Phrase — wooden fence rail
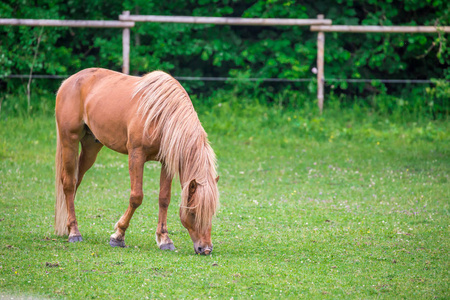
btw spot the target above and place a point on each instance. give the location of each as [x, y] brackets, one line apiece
[66, 23]
[383, 29]
[224, 21]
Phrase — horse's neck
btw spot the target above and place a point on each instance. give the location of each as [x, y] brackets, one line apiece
[190, 169]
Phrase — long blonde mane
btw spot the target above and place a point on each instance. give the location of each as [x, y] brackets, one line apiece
[184, 148]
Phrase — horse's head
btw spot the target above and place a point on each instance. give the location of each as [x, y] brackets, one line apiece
[199, 204]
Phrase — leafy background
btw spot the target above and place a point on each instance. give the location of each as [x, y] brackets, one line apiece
[232, 51]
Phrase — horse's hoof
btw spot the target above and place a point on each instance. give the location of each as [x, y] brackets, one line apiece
[117, 243]
[170, 247]
[75, 238]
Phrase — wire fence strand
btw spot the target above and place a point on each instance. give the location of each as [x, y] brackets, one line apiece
[191, 78]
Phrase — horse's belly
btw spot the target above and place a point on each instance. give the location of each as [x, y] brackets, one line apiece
[112, 137]
[108, 124]
[117, 143]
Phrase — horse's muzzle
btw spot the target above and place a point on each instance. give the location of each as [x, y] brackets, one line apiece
[203, 250]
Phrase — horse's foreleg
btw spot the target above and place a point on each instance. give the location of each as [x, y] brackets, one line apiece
[136, 160]
[162, 236]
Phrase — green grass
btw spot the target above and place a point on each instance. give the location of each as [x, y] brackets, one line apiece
[348, 205]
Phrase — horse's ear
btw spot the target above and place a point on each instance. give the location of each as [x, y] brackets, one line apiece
[192, 187]
[217, 179]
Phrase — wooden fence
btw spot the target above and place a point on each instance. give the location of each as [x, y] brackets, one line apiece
[83, 23]
[319, 25]
[66, 23]
[321, 29]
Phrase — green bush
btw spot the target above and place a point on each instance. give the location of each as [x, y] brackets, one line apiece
[234, 51]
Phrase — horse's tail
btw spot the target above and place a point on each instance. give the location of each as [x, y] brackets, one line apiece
[60, 205]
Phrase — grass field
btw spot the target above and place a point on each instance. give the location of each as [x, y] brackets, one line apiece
[339, 206]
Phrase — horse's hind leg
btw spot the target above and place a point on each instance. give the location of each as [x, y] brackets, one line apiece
[162, 236]
[136, 160]
[69, 141]
[89, 151]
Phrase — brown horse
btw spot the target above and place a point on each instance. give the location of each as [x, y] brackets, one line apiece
[148, 118]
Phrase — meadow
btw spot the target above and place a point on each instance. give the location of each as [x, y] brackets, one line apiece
[350, 204]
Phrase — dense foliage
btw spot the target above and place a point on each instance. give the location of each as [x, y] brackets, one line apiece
[242, 51]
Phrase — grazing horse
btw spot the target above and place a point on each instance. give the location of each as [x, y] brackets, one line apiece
[148, 118]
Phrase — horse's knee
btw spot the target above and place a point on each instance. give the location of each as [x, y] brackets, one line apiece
[164, 203]
[136, 198]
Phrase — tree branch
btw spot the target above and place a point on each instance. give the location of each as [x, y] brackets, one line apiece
[31, 70]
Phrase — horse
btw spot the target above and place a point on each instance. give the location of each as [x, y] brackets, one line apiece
[148, 118]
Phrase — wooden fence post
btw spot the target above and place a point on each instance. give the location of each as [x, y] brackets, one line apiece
[320, 66]
[126, 47]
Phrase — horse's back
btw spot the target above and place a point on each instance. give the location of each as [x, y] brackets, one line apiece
[98, 81]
